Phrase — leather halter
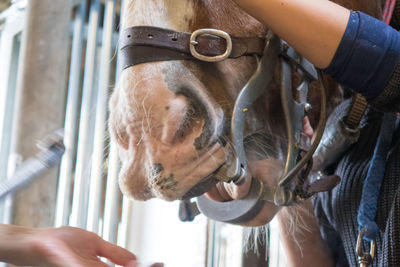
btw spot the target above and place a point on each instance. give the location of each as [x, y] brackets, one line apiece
[149, 44]
[143, 44]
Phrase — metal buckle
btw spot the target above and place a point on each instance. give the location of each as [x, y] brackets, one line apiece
[219, 33]
[364, 258]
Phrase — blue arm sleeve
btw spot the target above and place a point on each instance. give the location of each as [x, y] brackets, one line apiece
[367, 55]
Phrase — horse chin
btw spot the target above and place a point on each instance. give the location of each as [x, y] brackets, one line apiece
[170, 173]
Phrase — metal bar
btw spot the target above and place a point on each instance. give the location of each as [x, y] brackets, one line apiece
[63, 207]
[10, 54]
[127, 205]
[12, 22]
[11, 25]
[3, 71]
[10, 44]
[81, 184]
[14, 161]
[112, 197]
[125, 225]
[96, 181]
[115, 36]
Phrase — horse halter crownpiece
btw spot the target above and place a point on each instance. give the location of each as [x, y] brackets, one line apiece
[149, 44]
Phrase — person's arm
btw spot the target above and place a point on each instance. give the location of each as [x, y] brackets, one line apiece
[65, 246]
[358, 51]
[312, 27]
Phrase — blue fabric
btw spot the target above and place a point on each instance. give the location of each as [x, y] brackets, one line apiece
[367, 55]
[373, 181]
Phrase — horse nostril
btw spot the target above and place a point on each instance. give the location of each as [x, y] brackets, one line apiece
[191, 121]
[184, 120]
[175, 117]
[201, 116]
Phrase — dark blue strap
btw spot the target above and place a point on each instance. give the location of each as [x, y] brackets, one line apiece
[375, 175]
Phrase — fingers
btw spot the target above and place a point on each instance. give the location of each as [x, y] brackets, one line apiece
[307, 129]
[116, 254]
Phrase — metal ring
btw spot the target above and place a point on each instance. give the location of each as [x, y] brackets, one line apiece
[219, 33]
[365, 257]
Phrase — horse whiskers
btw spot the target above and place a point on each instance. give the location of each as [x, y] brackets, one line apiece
[296, 223]
[146, 114]
[153, 173]
[253, 237]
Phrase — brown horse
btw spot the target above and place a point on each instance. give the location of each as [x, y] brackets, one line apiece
[169, 117]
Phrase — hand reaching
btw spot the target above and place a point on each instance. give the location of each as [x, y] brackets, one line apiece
[67, 246]
[60, 247]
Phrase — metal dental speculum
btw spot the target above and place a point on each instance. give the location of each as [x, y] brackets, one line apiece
[242, 210]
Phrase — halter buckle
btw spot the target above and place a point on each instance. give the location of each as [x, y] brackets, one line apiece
[193, 43]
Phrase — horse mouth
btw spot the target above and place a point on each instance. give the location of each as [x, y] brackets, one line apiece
[202, 187]
[259, 146]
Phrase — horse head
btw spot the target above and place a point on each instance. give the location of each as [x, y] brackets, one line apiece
[171, 119]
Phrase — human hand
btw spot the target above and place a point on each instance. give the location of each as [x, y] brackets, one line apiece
[59, 247]
[68, 246]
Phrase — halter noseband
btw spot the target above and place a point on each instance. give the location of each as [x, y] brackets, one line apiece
[143, 44]
[149, 44]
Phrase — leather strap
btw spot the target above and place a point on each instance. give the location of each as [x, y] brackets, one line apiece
[324, 184]
[143, 44]
[356, 112]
